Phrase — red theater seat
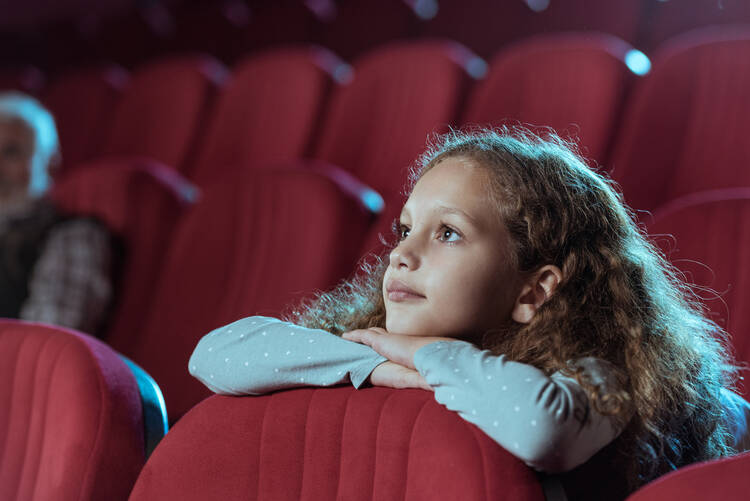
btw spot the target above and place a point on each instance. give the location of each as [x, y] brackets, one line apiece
[726, 479]
[671, 18]
[268, 110]
[71, 425]
[377, 125]
[574, 83]
[686, 124]
[256, 242]
[335, 443]
[141, 202]
[82, 103]
[707, 236]
[163, 109]
[621, 18]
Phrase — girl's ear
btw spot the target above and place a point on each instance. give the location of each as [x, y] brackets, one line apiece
[535, 291]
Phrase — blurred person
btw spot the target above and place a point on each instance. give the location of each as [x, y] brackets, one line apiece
[54, 267]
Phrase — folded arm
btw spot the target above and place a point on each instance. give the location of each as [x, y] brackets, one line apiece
[257, 355]
[547, 421]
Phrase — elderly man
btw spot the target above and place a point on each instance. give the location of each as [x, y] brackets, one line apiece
[54, 268]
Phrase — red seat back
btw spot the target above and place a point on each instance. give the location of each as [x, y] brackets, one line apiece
[670, 19]
[141, 202]
[378, 125]
[685, 126]
[257, 242]
[82, 128]
[267, 111]
[163, 109]
[724, 479]
[571, 82]
[71, 423]
[337, 443]
[707, 236]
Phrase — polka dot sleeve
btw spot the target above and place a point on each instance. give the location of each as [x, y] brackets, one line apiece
[544, 420]
[257, 355]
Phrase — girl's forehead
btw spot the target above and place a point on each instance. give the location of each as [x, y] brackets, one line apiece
[456, 183]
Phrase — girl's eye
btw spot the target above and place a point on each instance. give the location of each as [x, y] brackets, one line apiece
[400, 230]
[448, 234]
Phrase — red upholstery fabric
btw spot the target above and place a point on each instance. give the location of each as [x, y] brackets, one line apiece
[267, 111]
[82, 103]
[255, 243]
[141, 202]
[488, 26]
[621, 18]
[571, 82]
[726, 479]
[669, 19]
[337, 443]
[70, 417]
[377, 125]
[706, 236]
[685, 126]
[163, 109]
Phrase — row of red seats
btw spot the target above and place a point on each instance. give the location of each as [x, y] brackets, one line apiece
[230, 28]
[372, 128]
[191, 113]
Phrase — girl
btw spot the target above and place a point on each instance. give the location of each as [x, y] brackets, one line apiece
[523, 294]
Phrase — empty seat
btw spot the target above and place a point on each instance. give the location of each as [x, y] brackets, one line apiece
[257, 241]
[82, 103]
[685, 126]
[378, 124]
[163, 109]
[669, 19]
[141, 202]
[268, 110]
[71, 424]
[707, 236]
[574, 83]
[621, 18]
[334, 443]
[724, 479]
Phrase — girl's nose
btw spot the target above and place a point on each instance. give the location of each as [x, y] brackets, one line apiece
[404, 256]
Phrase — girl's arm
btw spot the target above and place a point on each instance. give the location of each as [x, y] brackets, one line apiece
[257, 355]
[546, 421]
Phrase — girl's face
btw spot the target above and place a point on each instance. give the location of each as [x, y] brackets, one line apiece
[451, 274]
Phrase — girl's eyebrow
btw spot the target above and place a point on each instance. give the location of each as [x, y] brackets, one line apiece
[443, 209]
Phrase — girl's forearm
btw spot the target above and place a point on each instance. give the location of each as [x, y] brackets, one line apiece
[257, 355]
[545, 421]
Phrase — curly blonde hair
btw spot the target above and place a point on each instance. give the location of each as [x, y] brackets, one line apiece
[619, 300]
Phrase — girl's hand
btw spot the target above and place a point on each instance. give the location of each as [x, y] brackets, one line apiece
[398, 348]
[392, 375]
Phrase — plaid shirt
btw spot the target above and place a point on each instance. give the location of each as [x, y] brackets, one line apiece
[70, 284]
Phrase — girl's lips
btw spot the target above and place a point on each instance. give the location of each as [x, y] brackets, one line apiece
[399, 291]
[398, 296]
